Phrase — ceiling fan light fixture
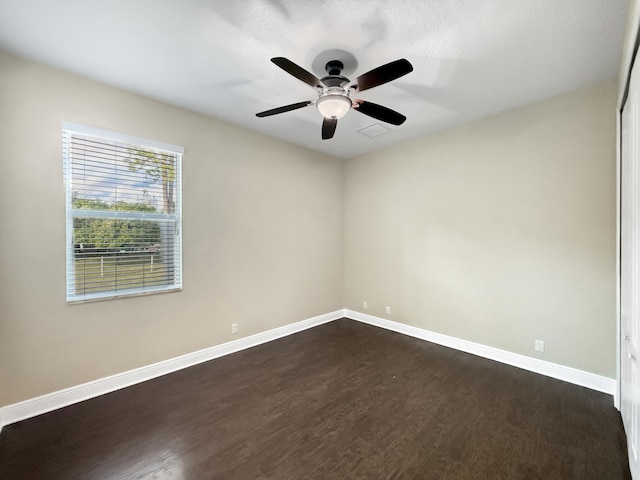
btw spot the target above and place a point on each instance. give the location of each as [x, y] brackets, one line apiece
[333, 105]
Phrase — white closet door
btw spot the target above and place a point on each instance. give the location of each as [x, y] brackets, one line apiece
[630, 275]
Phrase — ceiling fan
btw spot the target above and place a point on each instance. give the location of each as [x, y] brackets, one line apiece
[334, 92]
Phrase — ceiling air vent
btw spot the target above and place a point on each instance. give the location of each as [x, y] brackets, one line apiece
[373, 130]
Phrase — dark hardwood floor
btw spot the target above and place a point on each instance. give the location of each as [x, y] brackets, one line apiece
[339, 401]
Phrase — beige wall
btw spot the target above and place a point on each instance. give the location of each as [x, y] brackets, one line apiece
[262, 236]
[499, 232]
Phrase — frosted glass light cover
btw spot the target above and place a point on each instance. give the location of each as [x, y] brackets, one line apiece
[333, 106]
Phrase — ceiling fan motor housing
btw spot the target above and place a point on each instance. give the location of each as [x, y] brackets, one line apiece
[334, 67]
[333, 78]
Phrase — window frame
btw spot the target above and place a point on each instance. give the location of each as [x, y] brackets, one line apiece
[69, 129]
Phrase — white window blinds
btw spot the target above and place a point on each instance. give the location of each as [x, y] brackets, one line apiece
[123, 203]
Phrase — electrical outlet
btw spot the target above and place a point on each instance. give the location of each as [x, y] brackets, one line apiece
[539, 345]
[234, 328]
[387, 310]
[365, 305]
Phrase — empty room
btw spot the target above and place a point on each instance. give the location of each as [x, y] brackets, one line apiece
[278, 239]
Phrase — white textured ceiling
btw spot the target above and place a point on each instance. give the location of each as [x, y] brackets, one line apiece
[471, 58]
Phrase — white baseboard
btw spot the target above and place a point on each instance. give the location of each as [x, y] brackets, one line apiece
[568, 374]
[52, 401]
[55, 400]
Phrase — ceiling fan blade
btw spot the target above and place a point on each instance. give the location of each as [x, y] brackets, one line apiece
[298, 72]
[383, 74]
[286, 108]
[329, 127]
[379, 112]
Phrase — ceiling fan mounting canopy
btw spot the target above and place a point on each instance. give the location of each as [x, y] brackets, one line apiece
[334, 100]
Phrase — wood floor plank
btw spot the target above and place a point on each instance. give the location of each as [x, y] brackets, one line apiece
[340, 401]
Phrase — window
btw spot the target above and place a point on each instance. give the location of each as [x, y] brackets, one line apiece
[123, 203]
